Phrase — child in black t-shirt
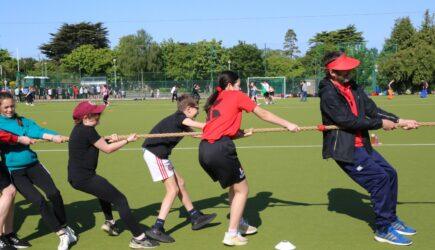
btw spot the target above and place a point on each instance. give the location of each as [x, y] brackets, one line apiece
[84, 146]
[156, 154]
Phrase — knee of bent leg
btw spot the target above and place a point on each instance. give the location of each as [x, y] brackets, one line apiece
[120, 200]
[181, 184]
[9, 192]
[241, 189]
[53, 194]
[173, 190]
[393, 174]
[382, 179]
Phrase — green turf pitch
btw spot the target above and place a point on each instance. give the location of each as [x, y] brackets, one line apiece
[294, 194]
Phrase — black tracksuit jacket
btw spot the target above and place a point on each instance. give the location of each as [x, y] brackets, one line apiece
[340, 144]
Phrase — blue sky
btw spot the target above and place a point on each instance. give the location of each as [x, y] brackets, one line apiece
[26, 24]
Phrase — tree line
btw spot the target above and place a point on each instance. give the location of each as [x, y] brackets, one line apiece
[408, 56]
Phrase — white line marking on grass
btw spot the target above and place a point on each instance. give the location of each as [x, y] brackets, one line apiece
[262, 147]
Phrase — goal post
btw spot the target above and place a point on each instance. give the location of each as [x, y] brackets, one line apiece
[277, 82]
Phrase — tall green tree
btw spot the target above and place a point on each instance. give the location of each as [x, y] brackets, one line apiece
[209, 58]
[138, 53]
[290, 44]
[201, 60]
[278, 64]
[413, 59]
[401, 35]
[348, 35]
[327, 41]
[178, 60]
[9, 65]
[89, 61]
[71, 36]
[246, 59]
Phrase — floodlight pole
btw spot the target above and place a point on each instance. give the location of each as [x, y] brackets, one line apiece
[229, 64]
[114, 65]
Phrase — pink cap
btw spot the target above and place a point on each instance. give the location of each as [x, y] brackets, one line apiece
[86, 108]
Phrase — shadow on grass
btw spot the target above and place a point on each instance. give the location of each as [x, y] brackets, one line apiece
[255, 205]
[351, 203]
[81, 214]
[358, 205]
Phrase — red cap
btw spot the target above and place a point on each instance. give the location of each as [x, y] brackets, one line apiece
[86, 108]
[343, 62]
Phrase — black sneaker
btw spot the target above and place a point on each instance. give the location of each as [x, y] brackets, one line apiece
[145, 243]
[110, 228]
[201, 220]
[17, 242]
[5, 245]
[159, 234]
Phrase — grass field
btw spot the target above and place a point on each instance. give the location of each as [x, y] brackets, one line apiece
[294, 194]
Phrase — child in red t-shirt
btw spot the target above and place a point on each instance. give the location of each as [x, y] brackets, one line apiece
[8, 238]
[217, 152]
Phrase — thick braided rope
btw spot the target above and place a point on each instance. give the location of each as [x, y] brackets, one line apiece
[255, 130]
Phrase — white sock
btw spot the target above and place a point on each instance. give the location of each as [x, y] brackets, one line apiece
[232, 232]
[140, 237]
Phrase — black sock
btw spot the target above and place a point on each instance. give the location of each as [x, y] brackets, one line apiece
[159, 223]
[9, 235]
[193, 213]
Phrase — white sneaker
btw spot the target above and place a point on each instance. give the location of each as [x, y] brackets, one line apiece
[71, 234]
[245, 228]
[234, 240]
[64, 242]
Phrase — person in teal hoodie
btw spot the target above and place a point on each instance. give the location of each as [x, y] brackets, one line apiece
[27, 172]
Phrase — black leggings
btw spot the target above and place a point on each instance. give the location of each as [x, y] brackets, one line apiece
[174, 97]
[108, 195]
[25, 181]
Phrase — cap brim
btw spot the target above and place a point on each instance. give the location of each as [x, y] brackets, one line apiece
[98, 109]
[346, 63]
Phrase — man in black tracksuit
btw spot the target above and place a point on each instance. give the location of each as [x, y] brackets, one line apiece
[345, 104]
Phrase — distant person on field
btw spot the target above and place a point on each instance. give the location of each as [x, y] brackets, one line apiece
[253, 91]
[195, 92]
[304, 91]
[265, 92]
[174, 93]
[390, 90]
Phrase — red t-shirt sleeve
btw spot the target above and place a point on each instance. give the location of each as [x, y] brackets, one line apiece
[245, 103]
[6, 137]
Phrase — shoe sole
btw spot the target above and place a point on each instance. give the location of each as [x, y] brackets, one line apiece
[140, 246]
[234, 244]
[21, 247]
[379, 239]
[249, 232]
[204, 223]
[156, 237]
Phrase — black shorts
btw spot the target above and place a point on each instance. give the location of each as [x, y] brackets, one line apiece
[220, 161]
[266, 95]
[5, 178]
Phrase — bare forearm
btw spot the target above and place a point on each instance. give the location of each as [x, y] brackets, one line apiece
[270, 117]
[112, 147]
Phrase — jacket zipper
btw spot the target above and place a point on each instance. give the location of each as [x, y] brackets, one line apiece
[336, 139]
